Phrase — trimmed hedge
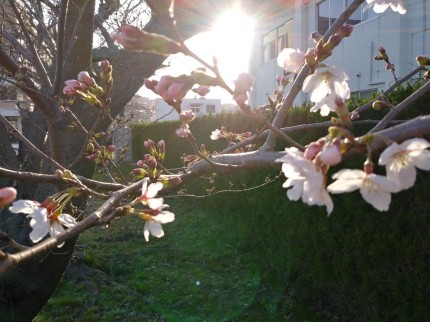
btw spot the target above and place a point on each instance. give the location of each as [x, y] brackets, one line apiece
[356, 265]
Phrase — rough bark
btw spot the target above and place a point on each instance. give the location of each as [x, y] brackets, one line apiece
[23, 291]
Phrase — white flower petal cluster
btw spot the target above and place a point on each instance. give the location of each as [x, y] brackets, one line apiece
[400, 161]
[291, 60]
[325, 86]
[153, 225]
[375, 189]
[148, 194]
[305, 180]
[380, 6]
[156, 216]
[41, 221]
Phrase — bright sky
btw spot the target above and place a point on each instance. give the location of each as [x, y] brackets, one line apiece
[229, 41]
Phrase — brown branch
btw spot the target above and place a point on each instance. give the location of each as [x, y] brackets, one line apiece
[50, 178]
[389, 90]
[28, 144]
[60, 47]
[282, 114]
[8, 261]
[401, 106]
[41, 71]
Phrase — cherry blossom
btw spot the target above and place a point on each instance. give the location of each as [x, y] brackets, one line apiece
[375, 189]
[45, 218]
[154, 219]
[305, 180]
[380, 6]
[291, 60]
[400, 161]
[216, 134]
[148, 194]
[326, 86]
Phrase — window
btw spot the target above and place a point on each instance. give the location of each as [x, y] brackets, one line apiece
[276, 40]
[195, 107]
[210, 109]
[329, 10]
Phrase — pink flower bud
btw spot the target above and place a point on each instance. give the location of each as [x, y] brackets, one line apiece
[201, 90]
[330, 155]
[84, 77]
[186, 116]
[111, 148]
[140, 163]
[243, 83]
[7, 195]
[59, 173]
[240, 98]
[150, 83]
[313, 149]
[346, 30]
[183, 132]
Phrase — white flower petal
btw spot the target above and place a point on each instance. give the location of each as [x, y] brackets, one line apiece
[164, 217]
[155, 229]
[415, 144]
[67, 220]
[386, 156]
[344, 185]
[153, 189]
[40, 227]
[155, 203]
[377, 198]
[56, 229]
[146, 231]
[383, 183]
[144, 186]
[404, 178]
[23, 206]
[295, 192]
[421, 160]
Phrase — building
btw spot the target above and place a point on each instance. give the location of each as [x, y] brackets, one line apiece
[290, 24]
[200, 106]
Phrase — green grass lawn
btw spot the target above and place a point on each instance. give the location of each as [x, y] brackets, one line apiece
[255, 256]
[199, 271]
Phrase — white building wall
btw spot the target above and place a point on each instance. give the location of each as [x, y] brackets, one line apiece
[403, 36]
[165, 112]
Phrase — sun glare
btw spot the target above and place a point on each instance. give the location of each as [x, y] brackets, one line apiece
[230, 41]
[232, 34]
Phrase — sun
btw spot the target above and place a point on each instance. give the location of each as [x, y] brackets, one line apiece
[230, 41]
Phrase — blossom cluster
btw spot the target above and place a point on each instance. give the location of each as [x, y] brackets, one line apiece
[47, 217]
[155, 216]
[306, 174]
[86, 88]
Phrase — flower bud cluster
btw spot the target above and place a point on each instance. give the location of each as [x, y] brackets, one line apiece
[101, 155]
[190, 159]
[324, 49]
[158, 152]
[242, 84]
[86, 88]
[185, 117]
[231, 137]
[146, 167]
[382, 55]
[324, 151]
